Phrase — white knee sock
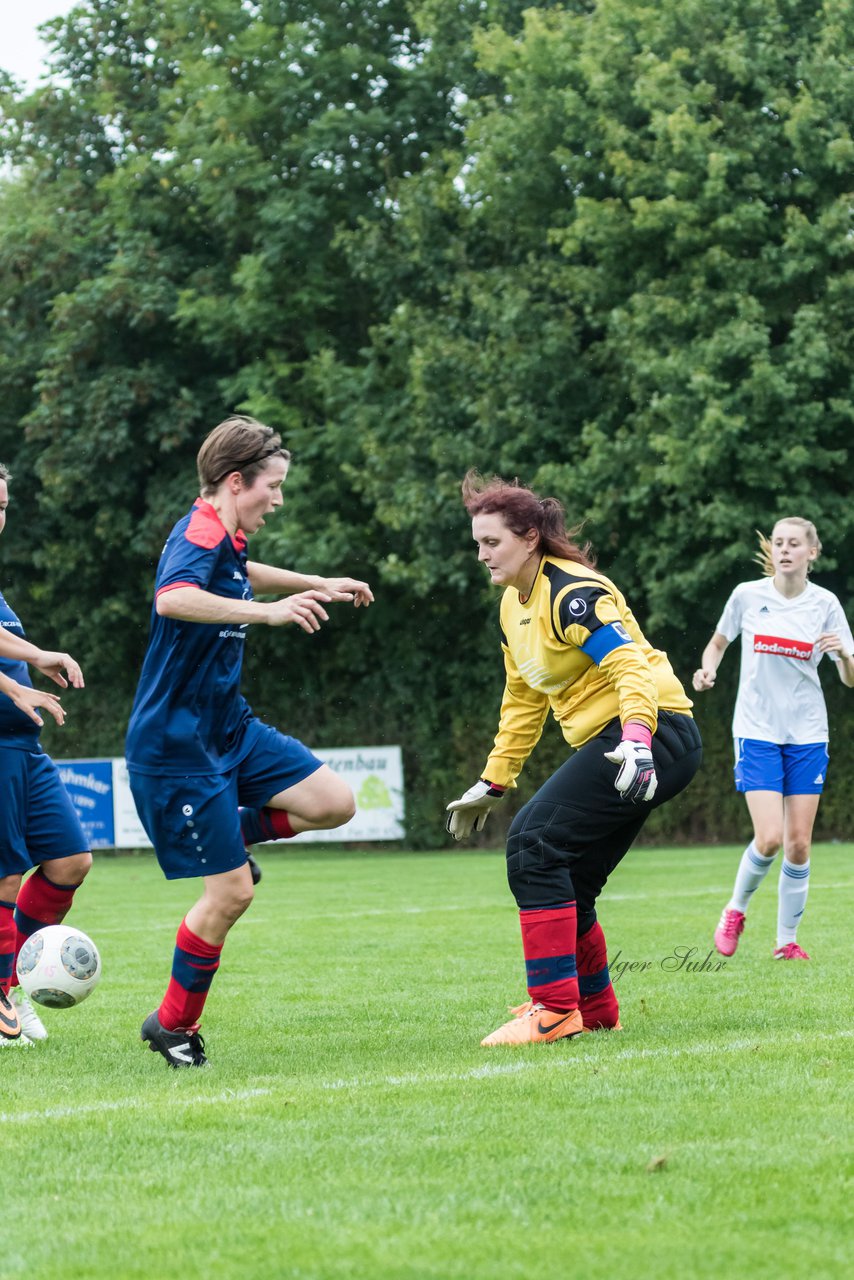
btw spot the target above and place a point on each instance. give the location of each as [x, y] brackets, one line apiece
[792, 893]
[752, 870]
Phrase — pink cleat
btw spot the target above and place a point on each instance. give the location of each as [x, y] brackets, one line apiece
[791, 951]
[729, 930]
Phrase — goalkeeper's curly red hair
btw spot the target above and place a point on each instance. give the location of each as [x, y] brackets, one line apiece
[522, 510]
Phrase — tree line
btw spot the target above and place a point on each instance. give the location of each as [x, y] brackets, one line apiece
[603, 247]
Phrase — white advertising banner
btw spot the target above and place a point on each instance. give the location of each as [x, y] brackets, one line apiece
[101, 794]
[129, 829]
[375, 775]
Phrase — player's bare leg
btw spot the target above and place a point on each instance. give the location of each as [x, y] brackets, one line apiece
[173, 1029]
[223, 902]
[321, 802]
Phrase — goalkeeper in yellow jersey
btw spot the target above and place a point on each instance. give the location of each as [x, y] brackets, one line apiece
[570, 643]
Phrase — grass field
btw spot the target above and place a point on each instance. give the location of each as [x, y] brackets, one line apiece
[351, 1126]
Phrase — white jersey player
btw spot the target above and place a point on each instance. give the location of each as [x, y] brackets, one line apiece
[787, 624]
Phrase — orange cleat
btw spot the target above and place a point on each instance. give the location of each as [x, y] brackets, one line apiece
[533, 1023]
[520, 1010]
[11, 1032]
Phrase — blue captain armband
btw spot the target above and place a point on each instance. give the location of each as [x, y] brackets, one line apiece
[604, 640]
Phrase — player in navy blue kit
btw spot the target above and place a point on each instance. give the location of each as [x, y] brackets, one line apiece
[38, 825]
[195, 751]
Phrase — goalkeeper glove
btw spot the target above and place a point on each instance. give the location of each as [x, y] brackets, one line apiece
[470, 812]
[635, 778]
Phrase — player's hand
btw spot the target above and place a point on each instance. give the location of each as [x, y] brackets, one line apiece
[703, 678]
[829, 642]
[470, 812]
[635, 778]
[52, 665]
[305, 609]
[29, 700]
[348, 589]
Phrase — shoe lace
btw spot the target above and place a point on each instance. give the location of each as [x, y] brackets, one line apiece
[522, 1010]
[195, 1041]
[732, 923]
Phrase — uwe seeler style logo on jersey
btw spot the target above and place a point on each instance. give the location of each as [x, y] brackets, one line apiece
[783, 647]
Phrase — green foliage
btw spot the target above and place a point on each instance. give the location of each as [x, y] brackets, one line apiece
[607, 248]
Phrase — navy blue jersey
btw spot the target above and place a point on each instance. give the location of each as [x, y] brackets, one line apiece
[189, 716]
[16, 728]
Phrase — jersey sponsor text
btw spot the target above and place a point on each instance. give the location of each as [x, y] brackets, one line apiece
[783, 647]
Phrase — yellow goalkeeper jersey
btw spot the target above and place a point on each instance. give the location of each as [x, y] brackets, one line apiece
[575, 646]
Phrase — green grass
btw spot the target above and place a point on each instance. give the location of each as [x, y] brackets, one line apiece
[351, 1126]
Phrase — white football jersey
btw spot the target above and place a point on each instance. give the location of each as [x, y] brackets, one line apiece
[779, 693]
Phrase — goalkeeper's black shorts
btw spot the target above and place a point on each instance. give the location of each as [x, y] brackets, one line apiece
[565, 842]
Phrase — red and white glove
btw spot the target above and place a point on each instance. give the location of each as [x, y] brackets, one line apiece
[635, 778]
[470, 812]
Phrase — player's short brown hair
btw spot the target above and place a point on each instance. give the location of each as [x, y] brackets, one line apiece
[237, 444]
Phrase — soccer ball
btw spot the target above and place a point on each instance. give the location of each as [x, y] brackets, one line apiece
[59, 966]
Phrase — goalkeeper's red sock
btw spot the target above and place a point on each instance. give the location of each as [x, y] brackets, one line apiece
[598, 1004]
[260, 825]
[7, 945]
[194, 965]
[548, 941]
[40, 902]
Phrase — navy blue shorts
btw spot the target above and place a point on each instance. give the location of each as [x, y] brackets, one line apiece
[38, 822]
[793, 769]
[193, 821]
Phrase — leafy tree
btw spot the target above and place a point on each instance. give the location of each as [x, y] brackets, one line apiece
[631, 286]
[605, 247]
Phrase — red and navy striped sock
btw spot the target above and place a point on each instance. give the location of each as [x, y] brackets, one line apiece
[193, 967]
[259, 825]
[598, 1004]
[40, 902]
[548, 941]
[7, 945]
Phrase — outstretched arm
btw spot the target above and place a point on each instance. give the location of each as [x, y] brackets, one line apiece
[704, 676]
[29, 700]
[266, 579]
[523, 713]
[47, 661]
[192, 604]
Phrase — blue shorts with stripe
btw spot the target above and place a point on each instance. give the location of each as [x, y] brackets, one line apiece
[792, 769]
[193, 820]
[38, 822]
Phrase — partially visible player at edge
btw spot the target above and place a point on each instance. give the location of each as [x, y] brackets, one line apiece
[787, 624]
[570, 643]
[39, 827]
[195, 751]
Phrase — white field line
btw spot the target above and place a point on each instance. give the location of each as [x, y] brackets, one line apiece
[572, 1063]
[489, 1070]
[607, 897]
[126, 1104]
